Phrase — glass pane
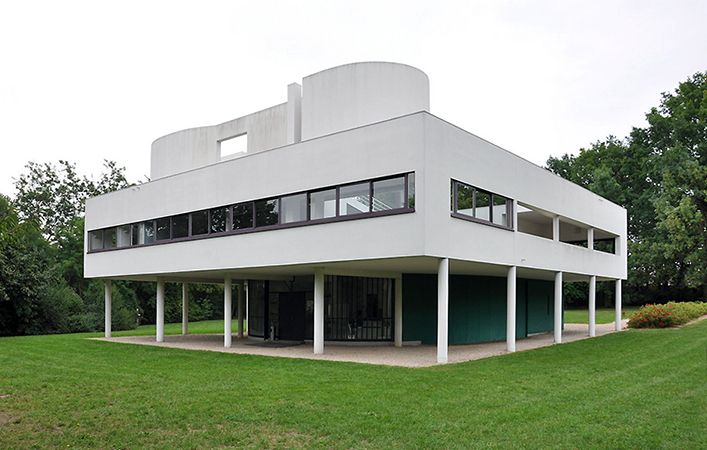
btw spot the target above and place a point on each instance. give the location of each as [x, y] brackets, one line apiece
[147, 231]
[500, 213]
[243, 216]
[220, 220]
[465, 199]
[180, 226]
[199, 223]
[389, 194]
[354, 199]
[110, 238]
[123, 237]
[95, 240]
[163, 232]
[135, 234]
[322, 204]
[266, 213]
[293, 208]
[483, 200]
[411, 190]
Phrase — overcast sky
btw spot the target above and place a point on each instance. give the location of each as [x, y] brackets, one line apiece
[94, 80]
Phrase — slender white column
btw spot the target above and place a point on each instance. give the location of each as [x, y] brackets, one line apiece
[511, 309]
[617, 303]
[592, 305]
[185, 308]
[160, 310]
[227, 312]
[558, 307]
[109, 303]
[556, 228]
[399, 311]
[590, 238]
[443, 311]
[318, 311]
[241, 299]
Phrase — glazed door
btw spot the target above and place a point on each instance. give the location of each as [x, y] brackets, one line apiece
[292, 316]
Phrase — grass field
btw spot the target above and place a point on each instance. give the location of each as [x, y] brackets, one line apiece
[604, 315]
[635, 389]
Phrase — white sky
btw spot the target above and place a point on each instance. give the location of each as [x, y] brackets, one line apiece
[94, 80]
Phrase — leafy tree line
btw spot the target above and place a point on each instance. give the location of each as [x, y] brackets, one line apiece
[659, 174]
[42, 288]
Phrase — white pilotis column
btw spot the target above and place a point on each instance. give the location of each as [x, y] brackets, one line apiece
[443, 311]
[590, 238]
[160, 310]
[227, 312]
[241, 299]
[592, 305]
[318, 311]
[558, 307]
[511, 309]
[109, 303]
[399, 311]
[556, 228]
[617, 303]
[185, 308]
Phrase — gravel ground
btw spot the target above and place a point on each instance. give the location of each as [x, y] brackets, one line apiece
[407, 356]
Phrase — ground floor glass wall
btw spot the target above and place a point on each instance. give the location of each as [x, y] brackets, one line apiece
[355, 308]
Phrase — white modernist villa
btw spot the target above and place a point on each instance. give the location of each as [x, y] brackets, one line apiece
[357, 215]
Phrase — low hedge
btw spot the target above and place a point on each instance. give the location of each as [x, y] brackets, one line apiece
[668, 315]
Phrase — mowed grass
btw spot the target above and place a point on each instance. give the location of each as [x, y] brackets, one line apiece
[603, 315]
[635, 389]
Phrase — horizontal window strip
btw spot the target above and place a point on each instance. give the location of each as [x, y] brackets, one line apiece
[383, 196]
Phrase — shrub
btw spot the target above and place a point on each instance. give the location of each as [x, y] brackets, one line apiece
[668, 315]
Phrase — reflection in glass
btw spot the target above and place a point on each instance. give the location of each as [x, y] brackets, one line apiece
[95, 239]
[483, 201]
[147, 232]
[220, 220]
[243, 216]
[199, 223]
[266, 213]
[465, 199]
[500, 210]
[293, 208]
[110, 238]
[322, 204]
[163, 231]
[180, 226]
[354, 199]
[123, 236]
[389, 194]
[411, 190]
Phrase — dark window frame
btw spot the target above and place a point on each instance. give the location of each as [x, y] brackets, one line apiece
[254, 228]
[455, 206]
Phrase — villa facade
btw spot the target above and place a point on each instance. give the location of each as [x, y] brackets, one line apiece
[354, 214]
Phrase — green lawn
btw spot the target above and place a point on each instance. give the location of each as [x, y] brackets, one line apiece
[604, 315]
[635, 389]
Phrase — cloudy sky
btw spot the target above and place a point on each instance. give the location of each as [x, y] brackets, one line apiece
[94, 80]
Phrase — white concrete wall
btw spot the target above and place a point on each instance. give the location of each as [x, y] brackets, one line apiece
[435, 150]
[358, 94]
[451, 152]
[383, 149]
[197, 147]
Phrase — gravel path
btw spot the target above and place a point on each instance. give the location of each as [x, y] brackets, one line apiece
[407, 356]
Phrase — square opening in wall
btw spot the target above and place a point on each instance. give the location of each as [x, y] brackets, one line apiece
[233, 147]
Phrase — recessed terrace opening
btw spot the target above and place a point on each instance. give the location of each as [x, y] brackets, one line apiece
[533, 221]
[604, 241]
[233, 147]
[573, 233]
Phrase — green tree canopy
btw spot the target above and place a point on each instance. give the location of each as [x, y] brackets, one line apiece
[659, 174]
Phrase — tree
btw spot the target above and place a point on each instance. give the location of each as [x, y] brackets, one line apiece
[659, 174]
[54, 197]
[677, 137]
